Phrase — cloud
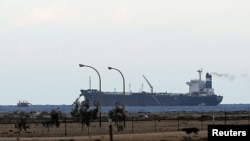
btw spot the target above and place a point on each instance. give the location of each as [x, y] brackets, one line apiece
[125, 13]
[41, 16]
[66, 13]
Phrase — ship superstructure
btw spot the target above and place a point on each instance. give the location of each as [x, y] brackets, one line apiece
[200, 87]
[23, 103]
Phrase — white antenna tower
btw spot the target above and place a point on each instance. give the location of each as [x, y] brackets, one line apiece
[130, 87]
[141, 87]
[90, 82]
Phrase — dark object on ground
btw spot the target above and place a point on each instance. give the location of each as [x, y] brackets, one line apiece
[190, 130]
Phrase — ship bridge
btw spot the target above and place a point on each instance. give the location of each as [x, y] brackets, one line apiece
[200, 87]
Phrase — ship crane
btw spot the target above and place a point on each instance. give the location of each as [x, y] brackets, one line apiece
[151, 87]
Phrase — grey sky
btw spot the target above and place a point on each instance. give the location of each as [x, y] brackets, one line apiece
[42, 43]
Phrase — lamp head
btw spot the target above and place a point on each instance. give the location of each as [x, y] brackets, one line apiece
[81, 65]
[110, 68]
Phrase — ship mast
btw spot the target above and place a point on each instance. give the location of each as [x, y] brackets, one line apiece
[199, 71]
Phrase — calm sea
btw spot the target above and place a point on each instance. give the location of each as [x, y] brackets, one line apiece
[68, 108]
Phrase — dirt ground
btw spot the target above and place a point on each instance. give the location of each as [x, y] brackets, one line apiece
[164, 136]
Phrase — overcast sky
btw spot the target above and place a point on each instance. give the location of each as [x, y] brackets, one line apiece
[43, 42]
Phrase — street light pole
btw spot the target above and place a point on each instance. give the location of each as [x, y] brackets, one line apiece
[100, 91]
[123, 105]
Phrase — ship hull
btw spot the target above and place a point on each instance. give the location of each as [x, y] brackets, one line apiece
[23, 105]
[150, 99]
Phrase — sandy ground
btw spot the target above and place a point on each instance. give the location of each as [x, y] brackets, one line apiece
[164, 136]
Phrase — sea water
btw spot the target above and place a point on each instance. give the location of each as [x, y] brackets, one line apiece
[131, 109]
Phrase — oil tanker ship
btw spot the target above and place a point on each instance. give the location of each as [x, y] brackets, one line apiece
[201, 93]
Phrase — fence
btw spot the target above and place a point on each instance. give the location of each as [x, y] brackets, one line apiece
[135, 123]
